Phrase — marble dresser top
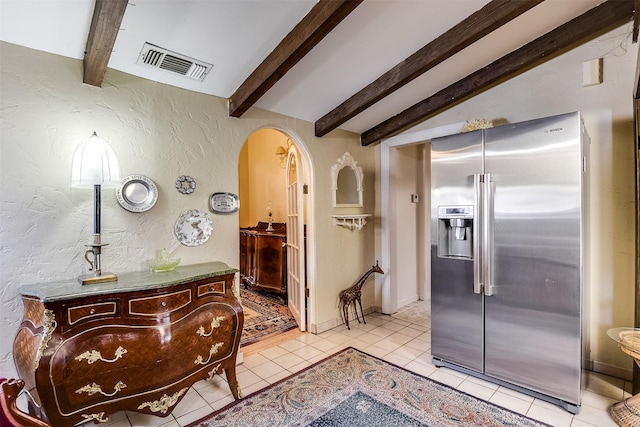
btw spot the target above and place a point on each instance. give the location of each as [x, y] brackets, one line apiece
[127, 282]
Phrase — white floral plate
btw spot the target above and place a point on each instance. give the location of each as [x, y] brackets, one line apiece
[193, 227]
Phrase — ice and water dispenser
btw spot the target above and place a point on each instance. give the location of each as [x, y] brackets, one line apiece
[455, 232]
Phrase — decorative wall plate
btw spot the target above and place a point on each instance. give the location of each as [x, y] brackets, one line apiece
[193, 227]
[224, 203]
[137, 193]
[185, 184]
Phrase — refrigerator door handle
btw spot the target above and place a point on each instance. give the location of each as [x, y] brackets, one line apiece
[477, 234]
[487, 228]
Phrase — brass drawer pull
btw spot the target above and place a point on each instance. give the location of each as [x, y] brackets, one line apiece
[215, 323]
[214, 349]
[94, 355]
[94, 388]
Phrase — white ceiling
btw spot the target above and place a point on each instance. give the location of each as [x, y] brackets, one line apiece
[236, 35]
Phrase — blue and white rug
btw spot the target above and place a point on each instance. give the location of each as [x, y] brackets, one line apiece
[352, 389]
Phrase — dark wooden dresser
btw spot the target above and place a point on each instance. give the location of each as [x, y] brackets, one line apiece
[137, 344]
[263, 257]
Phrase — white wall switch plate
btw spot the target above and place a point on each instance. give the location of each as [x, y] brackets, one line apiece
[592, 72]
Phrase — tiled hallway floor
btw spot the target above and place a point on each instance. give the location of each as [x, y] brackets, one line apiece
[394, 340]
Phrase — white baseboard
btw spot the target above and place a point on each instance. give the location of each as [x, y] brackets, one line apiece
[407, 301]
[323, 327]
[612, 371]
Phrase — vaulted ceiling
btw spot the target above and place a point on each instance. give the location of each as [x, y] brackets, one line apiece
[375, 67]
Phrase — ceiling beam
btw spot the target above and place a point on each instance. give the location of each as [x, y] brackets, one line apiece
[105, 24]
[473, 28]
[587, 26]
[323, 18]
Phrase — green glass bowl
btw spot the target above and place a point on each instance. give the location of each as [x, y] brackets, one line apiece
[158, 265]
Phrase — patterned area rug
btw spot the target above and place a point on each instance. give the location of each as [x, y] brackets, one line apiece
[352, 389]
[264, 315]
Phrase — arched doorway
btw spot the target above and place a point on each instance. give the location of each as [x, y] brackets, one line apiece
[264, 177]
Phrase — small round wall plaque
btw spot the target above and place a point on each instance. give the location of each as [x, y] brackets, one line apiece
[185, 184]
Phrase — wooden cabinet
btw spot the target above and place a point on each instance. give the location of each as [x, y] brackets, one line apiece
[137, 344]
[263, 257]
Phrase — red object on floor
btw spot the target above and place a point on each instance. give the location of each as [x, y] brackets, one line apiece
[10, 415]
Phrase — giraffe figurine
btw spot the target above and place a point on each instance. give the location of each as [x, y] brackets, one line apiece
[353, 294]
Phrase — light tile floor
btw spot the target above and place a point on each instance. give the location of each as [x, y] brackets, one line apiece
[394, 340]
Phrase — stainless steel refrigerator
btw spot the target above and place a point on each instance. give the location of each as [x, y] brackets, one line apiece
[508, 247]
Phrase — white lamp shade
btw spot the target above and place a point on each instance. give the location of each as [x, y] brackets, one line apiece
[94, 162]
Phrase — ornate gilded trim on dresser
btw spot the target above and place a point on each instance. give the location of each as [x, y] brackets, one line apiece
[50, 325]
[213, 372]
[164, 403]
[215, 323]
[94, 355]
[99, 417]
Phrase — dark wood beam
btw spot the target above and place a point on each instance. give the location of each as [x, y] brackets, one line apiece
[105, 24]
[473, 28]
[587, 26]
[323, 18]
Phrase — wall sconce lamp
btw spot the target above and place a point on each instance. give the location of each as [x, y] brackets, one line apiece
[282, 152]
[95, 165]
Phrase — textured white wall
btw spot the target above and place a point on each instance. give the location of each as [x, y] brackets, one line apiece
[158, 131]
[555, 87]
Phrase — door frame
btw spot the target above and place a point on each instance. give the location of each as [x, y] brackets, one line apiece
[388, 214]
[309, 213]
[296, 259]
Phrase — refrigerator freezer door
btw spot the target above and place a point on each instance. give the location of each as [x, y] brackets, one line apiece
[456, 311]
[532, 320]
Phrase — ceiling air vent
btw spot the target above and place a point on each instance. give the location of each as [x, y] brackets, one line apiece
[157, 57]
